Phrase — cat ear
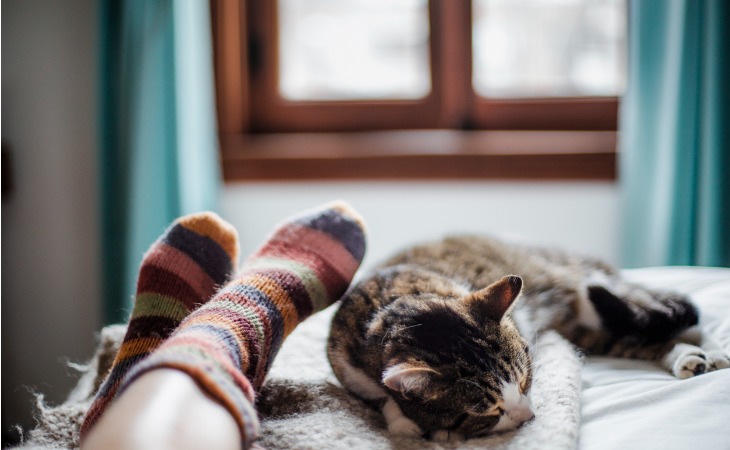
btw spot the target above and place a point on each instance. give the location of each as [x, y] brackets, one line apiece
[495, 300]
[410, 379]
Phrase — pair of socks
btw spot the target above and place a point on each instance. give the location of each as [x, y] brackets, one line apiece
[192, 314]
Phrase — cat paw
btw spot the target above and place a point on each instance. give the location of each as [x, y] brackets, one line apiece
[716, 360]
[397, 422]
[687, 361]
[404, 426]
[691, 366]
[447, 436]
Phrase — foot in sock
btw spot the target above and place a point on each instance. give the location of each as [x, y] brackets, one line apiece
[228, 344]
[194, 257]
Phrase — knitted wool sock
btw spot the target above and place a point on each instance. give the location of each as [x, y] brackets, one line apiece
[182, 269]
[228, 344]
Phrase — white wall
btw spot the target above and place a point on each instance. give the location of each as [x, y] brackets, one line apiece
[580, 216]
[50, 254]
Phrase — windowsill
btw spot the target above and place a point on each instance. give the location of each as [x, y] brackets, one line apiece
[412, 155]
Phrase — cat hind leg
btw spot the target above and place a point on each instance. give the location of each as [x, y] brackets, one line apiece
[687, 360]
[717, 357]
[656, 325]
[649, 317]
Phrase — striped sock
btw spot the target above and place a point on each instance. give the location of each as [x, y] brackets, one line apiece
[182, 269]
[228, 344]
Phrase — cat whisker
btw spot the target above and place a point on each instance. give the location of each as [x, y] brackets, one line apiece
[475, 405]
[475, 384]
[535, 331]
[392, 329]
[385, 336]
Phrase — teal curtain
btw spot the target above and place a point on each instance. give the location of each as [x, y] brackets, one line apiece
[675, 134]
[158, 130]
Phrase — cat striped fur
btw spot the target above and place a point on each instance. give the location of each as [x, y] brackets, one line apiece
[438, 335]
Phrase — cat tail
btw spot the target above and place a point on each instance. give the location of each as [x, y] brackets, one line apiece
[645, 316]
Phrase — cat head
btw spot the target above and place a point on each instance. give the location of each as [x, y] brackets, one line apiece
[460, 364]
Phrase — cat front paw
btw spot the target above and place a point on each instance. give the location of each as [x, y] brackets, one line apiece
[397, 422]
[447, 436]
[404, 426]
[716, 360]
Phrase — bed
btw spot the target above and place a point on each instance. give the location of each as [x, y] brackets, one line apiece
[631, 404]
[591, 403]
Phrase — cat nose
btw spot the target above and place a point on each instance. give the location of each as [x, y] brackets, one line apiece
[525, 422]
[522, 415]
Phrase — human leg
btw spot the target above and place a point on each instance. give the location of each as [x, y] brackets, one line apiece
[180, 271]
[164, 409]
[228, 344]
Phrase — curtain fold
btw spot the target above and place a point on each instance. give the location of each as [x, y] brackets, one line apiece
[674, 144]
[158, 132]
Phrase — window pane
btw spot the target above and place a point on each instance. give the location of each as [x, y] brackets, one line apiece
[353, 49]
[549, 48]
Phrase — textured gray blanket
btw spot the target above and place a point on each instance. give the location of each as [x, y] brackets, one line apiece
[303, 406]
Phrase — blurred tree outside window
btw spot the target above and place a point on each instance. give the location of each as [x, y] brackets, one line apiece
[379, 49]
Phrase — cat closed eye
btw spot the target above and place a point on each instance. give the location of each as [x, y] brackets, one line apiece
[523, 386]
[496, 410]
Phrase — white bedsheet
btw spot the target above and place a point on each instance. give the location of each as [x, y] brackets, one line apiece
[629, 404]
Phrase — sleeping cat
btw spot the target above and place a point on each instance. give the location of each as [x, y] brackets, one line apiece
[436, 335]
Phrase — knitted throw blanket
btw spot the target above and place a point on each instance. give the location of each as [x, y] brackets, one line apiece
[303, 406]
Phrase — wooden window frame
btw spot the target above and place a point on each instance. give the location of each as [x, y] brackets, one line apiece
[449, 134]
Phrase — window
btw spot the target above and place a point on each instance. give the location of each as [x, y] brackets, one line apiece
[573, 48]
[380, 51]
[419, 89]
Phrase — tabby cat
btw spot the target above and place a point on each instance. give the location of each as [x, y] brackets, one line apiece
[436, 336]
